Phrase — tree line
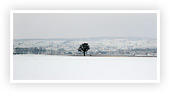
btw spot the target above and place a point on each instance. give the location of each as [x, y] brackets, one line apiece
[33, 50]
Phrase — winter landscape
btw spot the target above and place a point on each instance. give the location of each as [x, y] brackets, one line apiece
[87, 46]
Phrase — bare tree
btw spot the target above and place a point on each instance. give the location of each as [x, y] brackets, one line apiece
[84, 48]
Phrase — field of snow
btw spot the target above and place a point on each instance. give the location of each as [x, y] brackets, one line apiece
[41, 67]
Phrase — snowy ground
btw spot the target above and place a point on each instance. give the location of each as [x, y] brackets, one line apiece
[41, 67]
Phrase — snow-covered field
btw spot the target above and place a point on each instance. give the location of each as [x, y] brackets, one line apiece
[41, 67]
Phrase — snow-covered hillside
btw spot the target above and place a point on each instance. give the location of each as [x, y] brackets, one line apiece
[98, 46]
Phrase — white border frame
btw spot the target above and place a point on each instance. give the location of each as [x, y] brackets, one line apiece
[85, 11]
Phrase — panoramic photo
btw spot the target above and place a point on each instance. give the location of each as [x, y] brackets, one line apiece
[84, 46]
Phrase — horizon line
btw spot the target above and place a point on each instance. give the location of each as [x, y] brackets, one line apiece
[85, 38]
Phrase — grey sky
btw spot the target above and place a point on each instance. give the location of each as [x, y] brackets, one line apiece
[84, 25]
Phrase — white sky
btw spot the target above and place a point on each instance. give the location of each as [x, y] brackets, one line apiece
[53, 25]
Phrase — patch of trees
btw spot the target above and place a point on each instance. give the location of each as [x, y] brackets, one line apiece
[33, 50]
[146, 49]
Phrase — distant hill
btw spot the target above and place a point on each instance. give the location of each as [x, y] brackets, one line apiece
[91, 38]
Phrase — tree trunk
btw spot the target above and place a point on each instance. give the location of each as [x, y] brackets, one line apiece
[84, 53]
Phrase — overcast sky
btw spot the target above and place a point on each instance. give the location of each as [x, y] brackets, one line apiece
[84, 25]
